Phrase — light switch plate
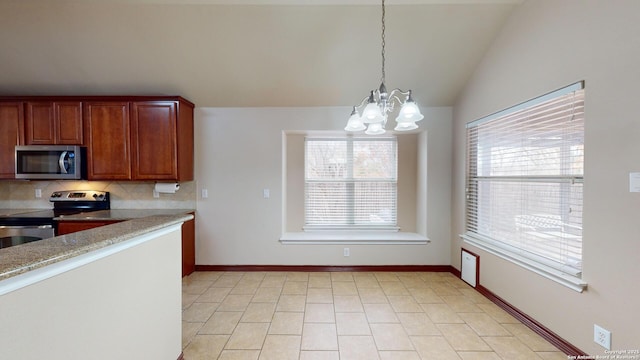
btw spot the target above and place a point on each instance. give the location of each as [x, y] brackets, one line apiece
[634, 182]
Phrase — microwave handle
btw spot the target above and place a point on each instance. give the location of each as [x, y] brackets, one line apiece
[61, 162]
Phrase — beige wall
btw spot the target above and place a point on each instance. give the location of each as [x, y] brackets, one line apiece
[239, 153]
[545, 45]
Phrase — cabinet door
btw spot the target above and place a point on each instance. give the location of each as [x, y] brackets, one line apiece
[11, 134]
[188, 247]
[49, 123]
[68, 227]
[40, 123]
[154, 139]
[68, 124]
[107, 136]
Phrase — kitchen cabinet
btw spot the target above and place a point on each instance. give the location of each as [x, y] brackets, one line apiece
[108, 140]
[68, 227]
[189, 246]
[53, 123]
[162, 140]
[11, 134]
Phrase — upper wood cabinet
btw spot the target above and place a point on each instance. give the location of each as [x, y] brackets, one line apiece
[162, 140]
[108, 140]
[11, 134]
[51, 123]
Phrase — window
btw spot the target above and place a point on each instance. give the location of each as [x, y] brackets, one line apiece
[524, 184]
[350, 183]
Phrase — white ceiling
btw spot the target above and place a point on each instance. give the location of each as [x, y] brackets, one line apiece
[251, 55]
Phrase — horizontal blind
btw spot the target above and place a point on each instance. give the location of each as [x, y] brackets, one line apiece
[350, 182]
[525, 180]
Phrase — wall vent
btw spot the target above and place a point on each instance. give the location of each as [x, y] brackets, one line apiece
[470, 267]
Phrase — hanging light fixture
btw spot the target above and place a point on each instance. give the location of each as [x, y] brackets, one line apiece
[371, 115]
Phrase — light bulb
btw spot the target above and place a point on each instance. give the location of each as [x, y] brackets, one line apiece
[372, 114]
[355, 123]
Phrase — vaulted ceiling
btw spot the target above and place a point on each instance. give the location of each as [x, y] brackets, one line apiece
[227, 53]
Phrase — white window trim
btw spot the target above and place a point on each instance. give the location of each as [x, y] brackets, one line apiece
[567, 277]
[349, 237]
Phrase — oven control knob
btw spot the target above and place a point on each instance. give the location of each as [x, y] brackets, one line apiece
[98, 196]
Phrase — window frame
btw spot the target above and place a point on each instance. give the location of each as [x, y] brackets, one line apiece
[567, 276]
[350, 183]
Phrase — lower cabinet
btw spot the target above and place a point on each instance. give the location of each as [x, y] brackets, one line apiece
[188, 238]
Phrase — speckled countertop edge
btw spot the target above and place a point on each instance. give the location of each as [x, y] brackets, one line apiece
[23, 258]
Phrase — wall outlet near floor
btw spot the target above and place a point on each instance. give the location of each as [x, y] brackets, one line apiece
[38, 193]
[602, 336]
[346, 252]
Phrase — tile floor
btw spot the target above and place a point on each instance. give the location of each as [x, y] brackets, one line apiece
[348, 315]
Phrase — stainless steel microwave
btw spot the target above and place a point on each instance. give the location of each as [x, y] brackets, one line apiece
[49, 162]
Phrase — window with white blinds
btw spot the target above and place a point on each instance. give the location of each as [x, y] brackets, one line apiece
[524, 184]
[350, 183]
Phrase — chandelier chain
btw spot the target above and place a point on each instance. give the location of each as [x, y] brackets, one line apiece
[383, 42]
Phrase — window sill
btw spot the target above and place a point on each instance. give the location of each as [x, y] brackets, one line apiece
[353, 237]
[568, 280]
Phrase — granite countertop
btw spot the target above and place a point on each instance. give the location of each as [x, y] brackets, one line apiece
[20, 259]
[121, 214]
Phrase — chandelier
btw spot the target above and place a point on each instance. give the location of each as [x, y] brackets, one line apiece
[374, 109]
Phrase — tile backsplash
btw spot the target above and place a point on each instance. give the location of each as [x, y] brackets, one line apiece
[124, 194]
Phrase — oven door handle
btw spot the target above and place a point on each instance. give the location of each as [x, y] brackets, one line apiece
[61, 162]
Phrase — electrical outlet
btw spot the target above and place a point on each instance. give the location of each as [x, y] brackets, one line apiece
[602, 336]
[38, 193]
[346, 252]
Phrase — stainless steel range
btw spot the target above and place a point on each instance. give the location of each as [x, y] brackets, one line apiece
[27, 226]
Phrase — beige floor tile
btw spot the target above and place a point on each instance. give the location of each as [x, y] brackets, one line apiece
[344, 288]
[352, 324]
[205, 347]
[418, 324]
[281, 347]
[267, 295]
[365, 280]
[498, 314]
[244, 290]
[248, 336]
[481, 355]
[204, 276]
[380, 313]
[320, 295]
[295, 287]
[254, 275]
[426, 296]
[394, 288]
[259, 312]
[291, 303]
[399, 355]
[358, 348]
[391, 337]
[434, 348]
[298, 276]
[214, 295]
[462, 337]
[248, 281]
[287, 323]
[441, 314]
[188, 299]
[372, 296]
[319, 280]
[319, 313]
[386, 276]
[534, 341]
[443, 288]
[342, 276]
[319, 337]
[227, 280]
[221, 323]
[189, 331]
[412, 281]
[460, 304]
[511, 348]
[552, 355]
[484, 325]
[235, 303]
[347, 303]
[199, 312]
[196, 287]
[319, 355]
[273, 281]
[474, 295]
[404, 303]
[239, 355]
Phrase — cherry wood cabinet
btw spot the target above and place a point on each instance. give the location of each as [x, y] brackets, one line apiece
[108, 139]
[52, 123]
[11, 134]
[162, 140]
[68, 227]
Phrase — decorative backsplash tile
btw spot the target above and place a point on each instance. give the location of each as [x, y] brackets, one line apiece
[124, 194]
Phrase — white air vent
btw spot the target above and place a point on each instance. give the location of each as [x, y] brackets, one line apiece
[469, 268]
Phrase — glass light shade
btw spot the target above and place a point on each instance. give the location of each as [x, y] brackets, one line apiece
[375, 129]
[405, 126]
[409, 112]
[372, 114]
[355, 123]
